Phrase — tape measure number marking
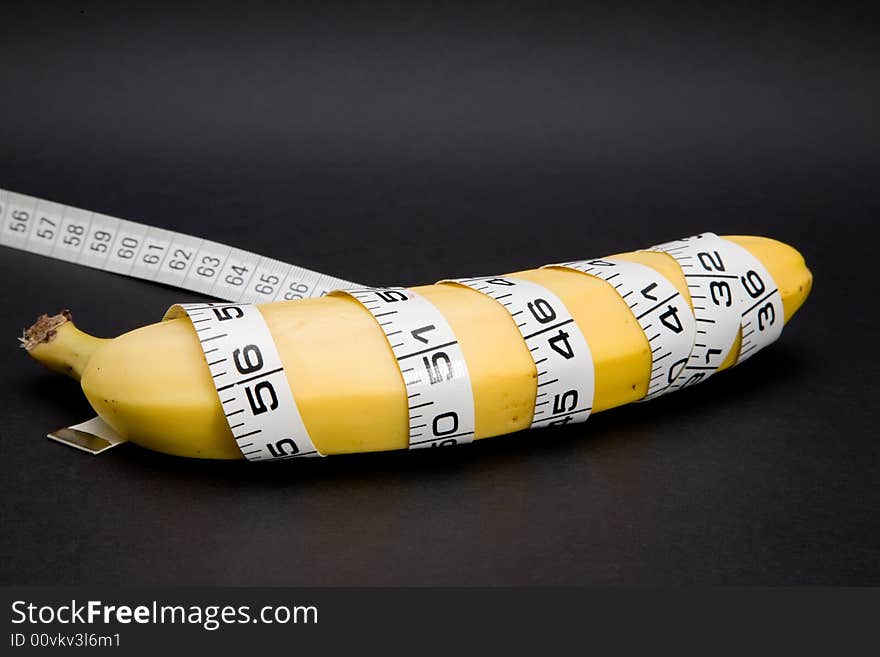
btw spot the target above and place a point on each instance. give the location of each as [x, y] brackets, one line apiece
[438, 387]
[566, 376]
[133, 249]
[763, 314]
[250, 380]
[720, 275]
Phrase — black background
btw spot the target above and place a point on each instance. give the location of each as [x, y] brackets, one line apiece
[393, 145]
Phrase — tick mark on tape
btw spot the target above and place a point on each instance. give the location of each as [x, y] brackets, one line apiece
[425, 351]
[660, 303]
[251, 378]
[548, 328]
[711, 276]
[759, 302]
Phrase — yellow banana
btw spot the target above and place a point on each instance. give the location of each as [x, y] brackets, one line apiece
[153, 387]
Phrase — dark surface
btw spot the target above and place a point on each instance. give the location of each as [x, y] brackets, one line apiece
[390, 147]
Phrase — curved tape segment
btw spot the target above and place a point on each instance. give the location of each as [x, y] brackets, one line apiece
[566, 376]
[438, 387]
[249, 377]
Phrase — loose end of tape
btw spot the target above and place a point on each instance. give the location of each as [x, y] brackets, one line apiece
[93, 436]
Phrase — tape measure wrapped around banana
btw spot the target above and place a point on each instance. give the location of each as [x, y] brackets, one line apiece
[389, 368]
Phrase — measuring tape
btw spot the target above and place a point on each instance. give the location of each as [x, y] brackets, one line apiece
[730, 291]
[241, 355]
[250, 380]
[439, 396]
[562, 358]
[659, 308]
[153, 254]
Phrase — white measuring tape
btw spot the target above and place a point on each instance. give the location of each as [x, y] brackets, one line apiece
[729, 288]
[250, 380]
[241, 355]
[659, 308]
[566, 380]
[438, 387]
[133, 249]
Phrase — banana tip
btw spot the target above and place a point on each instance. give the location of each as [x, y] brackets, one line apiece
[44, 329]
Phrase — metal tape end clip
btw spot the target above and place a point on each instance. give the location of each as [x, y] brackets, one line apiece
[93, 436]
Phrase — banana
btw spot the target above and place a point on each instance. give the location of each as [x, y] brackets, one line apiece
[153, 387]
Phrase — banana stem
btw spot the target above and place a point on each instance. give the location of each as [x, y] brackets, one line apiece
[58, 344]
